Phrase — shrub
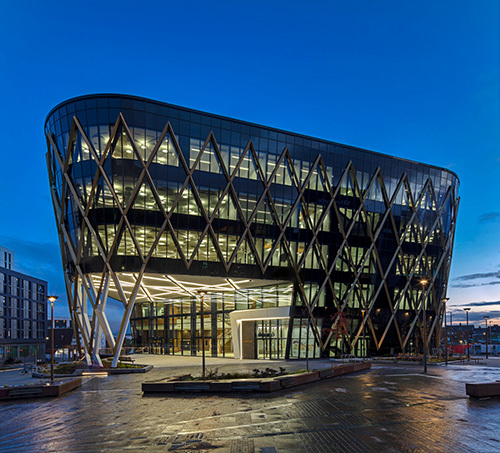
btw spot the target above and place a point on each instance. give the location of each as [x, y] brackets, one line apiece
[269, 372]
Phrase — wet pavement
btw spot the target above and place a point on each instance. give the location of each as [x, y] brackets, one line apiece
[393, 408]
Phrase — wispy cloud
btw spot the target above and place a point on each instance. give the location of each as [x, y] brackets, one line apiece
[479, 275]
[478, 304]
[489, 217]
[472, 280]
[473, 285]
[479, 310]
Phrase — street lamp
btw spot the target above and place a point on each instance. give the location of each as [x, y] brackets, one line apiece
[486, 333]
[363, 333]
[446, 299]
[451, 328]
[202, 326]
[467, 331]
[424, 282]
[52, 299]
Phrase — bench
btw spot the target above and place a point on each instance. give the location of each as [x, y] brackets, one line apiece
[472, 359]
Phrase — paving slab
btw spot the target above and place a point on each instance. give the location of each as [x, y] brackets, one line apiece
[391, 408]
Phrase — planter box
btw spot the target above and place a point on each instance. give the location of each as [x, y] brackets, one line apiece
[246, 385]
[484, 390]
[39, 390]
[158, 387]
[224, 385]
[351, 368]
[192, 386]
[143, 369]
[298, 379]
[175, 384]
[269, 385]
[328, 373]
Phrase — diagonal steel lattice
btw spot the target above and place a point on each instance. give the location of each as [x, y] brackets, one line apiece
[90, 292]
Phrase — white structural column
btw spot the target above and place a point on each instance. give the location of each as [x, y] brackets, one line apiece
[91, 331]
[100, 322]
[259, 314]
[123, 327]
[85, 324]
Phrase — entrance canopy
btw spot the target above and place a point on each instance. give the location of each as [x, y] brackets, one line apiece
[162, 288]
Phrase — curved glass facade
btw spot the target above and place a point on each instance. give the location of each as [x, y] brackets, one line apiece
[155, 203]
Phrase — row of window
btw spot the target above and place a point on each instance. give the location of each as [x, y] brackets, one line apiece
[22, 351]
[199, 125]
[21, 308]
[146, 141]
[11, 328]
[16, 286]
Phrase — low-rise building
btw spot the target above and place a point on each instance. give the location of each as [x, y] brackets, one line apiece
[23, 312]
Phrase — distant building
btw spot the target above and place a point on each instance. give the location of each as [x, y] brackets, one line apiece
[62, 323]
[64, 341]
[6, 258]
[23, 312]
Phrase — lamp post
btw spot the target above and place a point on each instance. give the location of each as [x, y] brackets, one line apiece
[202, 326]
[451, 328]
[467, 331]
[424, 282]
[446, 299]
[363, 333]
[486, 333]
[52, 299]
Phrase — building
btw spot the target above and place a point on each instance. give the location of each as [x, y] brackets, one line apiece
[64, 341]
[23, 312]
[281, 245]
[6, 258]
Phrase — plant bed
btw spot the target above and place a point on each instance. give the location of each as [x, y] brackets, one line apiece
[124, 368]
[128, 369]
[39, 390]
[78, 368]
[247, 384]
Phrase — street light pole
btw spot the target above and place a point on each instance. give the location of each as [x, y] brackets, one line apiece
[52, 299]
[486, 333]
[202, 294]
[451, 328]
[446, 299]
[363, 333]
[467, 331]
[424, 282]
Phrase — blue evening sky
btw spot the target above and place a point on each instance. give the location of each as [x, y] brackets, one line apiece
[415, 79]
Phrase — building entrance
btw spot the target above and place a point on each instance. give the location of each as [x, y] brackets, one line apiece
[271, 338]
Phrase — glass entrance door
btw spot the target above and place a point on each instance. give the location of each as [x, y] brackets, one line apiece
[271, 338]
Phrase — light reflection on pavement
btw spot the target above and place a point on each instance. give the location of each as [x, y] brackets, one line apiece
[391, 408]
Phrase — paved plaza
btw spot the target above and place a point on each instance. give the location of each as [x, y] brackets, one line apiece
[392, 408]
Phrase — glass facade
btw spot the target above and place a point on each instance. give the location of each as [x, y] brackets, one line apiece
[174, 326]
[156, 202]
